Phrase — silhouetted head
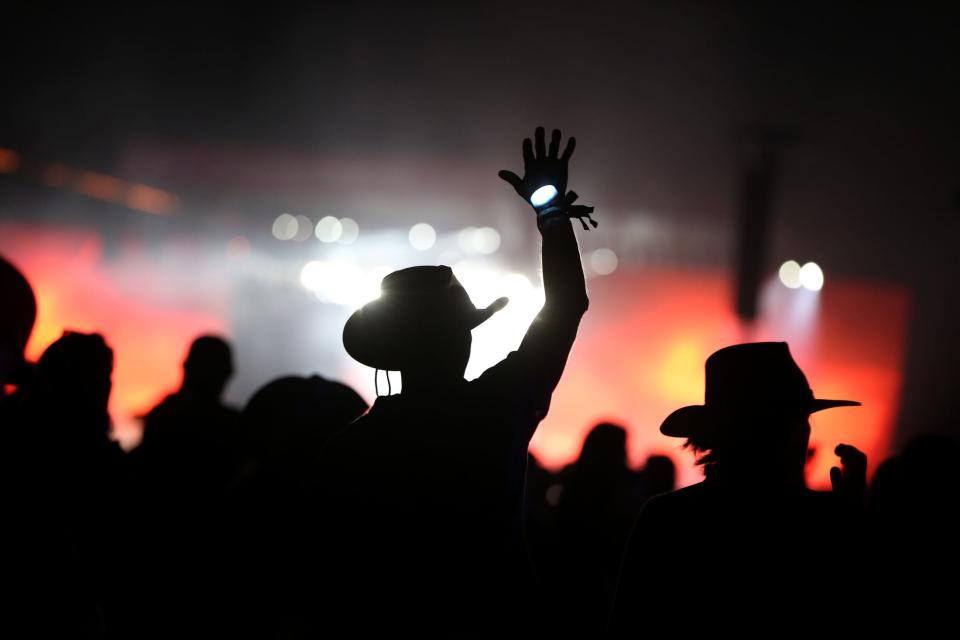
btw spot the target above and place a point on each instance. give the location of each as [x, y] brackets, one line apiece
[604, 447]
[74, 377]
[18, 311]
[208, 367]
[756, 412]
[420, 325]
[294, 415]
[659, 475]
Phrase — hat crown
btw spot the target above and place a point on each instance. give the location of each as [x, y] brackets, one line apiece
[417, 306]
[429, 283]
[760, 375]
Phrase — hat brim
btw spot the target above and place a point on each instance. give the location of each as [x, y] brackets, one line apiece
[380, 336]
[690, 421]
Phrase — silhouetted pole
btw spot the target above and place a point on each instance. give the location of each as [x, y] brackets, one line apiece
[757, 183]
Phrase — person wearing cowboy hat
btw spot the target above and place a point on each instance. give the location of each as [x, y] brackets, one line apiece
[426, 487]
[752, 522]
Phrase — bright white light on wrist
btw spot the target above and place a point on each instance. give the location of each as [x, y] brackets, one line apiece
[543, 195]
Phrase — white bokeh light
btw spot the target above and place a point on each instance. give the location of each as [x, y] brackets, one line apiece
[285, 227]
[486, 240]
[543, 195]
[304, 228]
[329, 229]
[350, 231]
[790, 274]
[312, 274]
[341, 282]
[603, 261]
[811, 276]
[422, 236]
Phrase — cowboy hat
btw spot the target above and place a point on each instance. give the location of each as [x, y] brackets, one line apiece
[416, 305]
[759, 378]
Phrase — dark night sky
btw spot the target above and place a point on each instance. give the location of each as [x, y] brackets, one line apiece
[654, 92]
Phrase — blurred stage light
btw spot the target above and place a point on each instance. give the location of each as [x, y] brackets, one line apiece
[603, 261]
[329, 229]
[466, 240]
[422, 236]
[9, 160]
[790, 274]
[285, 227]
[99, 185]
[543, 195]
[486, 240]
[349, 231]
[811, 276]
[304, 228]
[341, 282]
[150, 199]
[312, 275]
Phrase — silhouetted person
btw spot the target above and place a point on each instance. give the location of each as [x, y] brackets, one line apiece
[914, 515]
[67, 486]
[289, 420]
[18, 311]
[744, 544]
[190, 440]
[599, 501]
[659, 476]
[427, 486]
[189, 462]
[287, 423]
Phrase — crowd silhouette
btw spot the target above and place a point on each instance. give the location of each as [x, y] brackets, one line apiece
[309, 513]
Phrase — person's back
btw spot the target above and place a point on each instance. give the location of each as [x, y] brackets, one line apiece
[762, 543]
[281, 552]
[751, 542]
[69, 491]
[187, 464]
[435, 501]
[426, 488]
[190, 440]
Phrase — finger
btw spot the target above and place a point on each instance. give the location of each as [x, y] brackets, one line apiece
[538, 140]
[571, 197]
[578, 210]
[851, 456]
[527, 151]
[510, 177]
[571, 145]
[554, 144]
[499, 303]
[836, 478]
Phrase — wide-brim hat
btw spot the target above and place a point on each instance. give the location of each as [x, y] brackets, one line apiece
[417, 306]
[756, 379]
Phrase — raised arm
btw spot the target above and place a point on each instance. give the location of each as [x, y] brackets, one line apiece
[535, 368]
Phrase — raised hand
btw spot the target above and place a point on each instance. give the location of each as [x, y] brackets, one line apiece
[850, 479]
[543, 169]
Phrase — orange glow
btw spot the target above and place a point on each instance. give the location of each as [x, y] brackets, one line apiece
[98, 185]
[639, 354]
[9, 160]
[151, 199]
[642, 346]
[74, 290]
